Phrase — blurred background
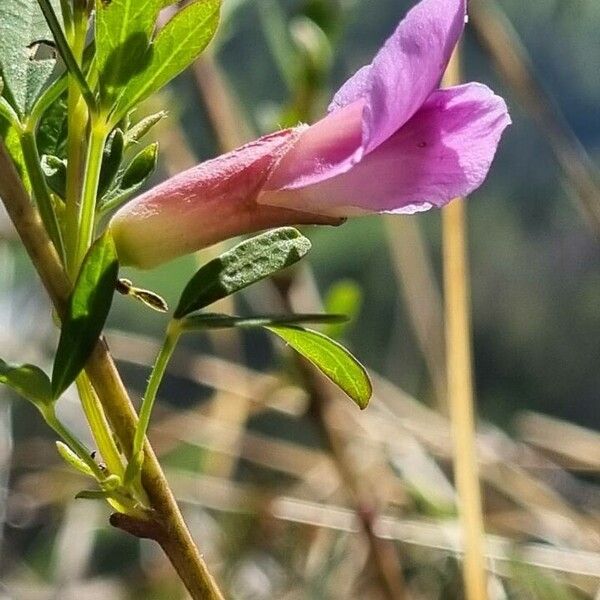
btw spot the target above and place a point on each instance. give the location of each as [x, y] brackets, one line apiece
[289, 490]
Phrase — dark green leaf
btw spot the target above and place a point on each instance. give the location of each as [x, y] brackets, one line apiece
[243, 265]
[55, 170]
[218, 321]
[28, 381]
[140, 168]
[331, 358]
[111, 161]
[25, 67]
[133, 178]
[88, 309]
[175, 47]
[123, 33]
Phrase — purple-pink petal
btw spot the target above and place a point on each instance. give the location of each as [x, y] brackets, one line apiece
[373, 104]
[445, 150]
[410, 66]
[324, 150]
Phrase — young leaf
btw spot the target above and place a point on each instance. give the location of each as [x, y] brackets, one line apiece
[88, 309]
[22, 28]
[139, 130]
[28, 381]
[218, 321]
[55, 170]
[175, 47]
[73, 460]
[243, 265]
[331, 358]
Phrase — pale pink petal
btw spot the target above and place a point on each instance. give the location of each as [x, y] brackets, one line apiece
[206, 204]
[444, 151]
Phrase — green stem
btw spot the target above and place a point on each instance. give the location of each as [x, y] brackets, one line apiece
[99, 426]
[40, 189]
[156, 377]
[82, 452]
[91, 177]
[78, 117]
[66, 53]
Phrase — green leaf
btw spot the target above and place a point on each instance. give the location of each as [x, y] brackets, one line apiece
[219, 321]
[175, 47]
[243, 265]
[123, 33]
[88, 309]
[331, 358]
[28, 381]
[25, 73]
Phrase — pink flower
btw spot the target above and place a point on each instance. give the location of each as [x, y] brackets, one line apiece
[392, 142]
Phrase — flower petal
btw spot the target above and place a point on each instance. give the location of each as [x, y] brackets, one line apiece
[410, 66]
[324, 150]
[204, 205]
[373, 104]
[444, 151]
